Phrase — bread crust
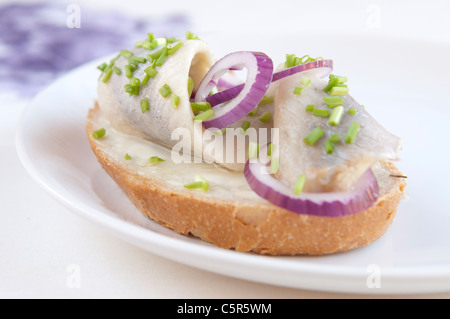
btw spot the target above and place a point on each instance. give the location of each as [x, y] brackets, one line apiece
[246, 227]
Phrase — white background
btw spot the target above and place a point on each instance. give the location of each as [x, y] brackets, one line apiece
[40, 240]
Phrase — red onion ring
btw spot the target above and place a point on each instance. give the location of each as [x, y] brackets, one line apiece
[259, 75]
[333, 204]
[231, 93]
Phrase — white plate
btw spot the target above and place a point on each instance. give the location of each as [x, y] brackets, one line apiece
[400, 86]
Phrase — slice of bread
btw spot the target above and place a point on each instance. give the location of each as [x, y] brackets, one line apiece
[247, 225]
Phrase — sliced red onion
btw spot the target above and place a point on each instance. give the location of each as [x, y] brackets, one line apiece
[259, 75]
[334, 204]
[230, 93]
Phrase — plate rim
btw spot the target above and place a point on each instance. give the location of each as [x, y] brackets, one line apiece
[131, 233]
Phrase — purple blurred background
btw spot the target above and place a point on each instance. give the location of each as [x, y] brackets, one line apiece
[38, 42]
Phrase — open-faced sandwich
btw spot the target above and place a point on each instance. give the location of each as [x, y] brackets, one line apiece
[242, 154]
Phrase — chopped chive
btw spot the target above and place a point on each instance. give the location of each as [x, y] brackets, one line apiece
[126, 54]
[175, 48]
[253, 150]
[204, 116]
[150, 36]
[305, 81]
[309, 108]
[298, 90]
[341, 79]
[253, 112]
[201, 106]
[352, 132]
[300, 184]
[102, 67]
[145, 80]
[290, 61]
[117, 70]
[333, 101]
[245, 126]
[155, 55]
[274, 165]
[165, 90]
[160, 41]
[128, 71]
[99, 134]
[127, 157]
[107, 75]
[151, 72]
[190, 86]
[137, 59]
[135, 82]
[175, 100]
[328, 146]
[314, 136]
[331, 83]
[132, 90]
[335, 138]
[145, 105]
[200, 184]
[352, 111]
[155, 160]
[266, 100]
[162, 57]
[339, 90]
[321, 113]
[266, 117]
[270, 150]
[191, 36]
[336, 116]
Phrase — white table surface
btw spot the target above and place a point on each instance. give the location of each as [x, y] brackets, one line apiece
[40, 240]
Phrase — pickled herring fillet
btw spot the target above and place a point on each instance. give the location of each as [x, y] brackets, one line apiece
[339, 169]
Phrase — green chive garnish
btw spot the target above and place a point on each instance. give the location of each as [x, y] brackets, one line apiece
[253, 150]
[200, 184]
[352, 111]
[339, 90]
[99, 134]
[137, 59]
[266, 117]
[135, 82]
[245, 126]
[190, 86]
[145, 105]
[151, 72]
[102, 67]
[162, 57]
[201, 106]
[175, 48]
[175, 100]
[328, 146]
[117, 70]
[253, 112]
[204, 116]
[270, 150]
[155, 55]
[309, 108]
[132, 90]
[300, 184]
[127, 157]
[314, 136]
[336, 115]
[290, 61]
[154, 160]
[305, 81]
[126, 54]
[335, 138]
[331, 83]
[333, 101]
[128, 71]
[265, 100]
[274, 165]
[165, 90]
[191, 36]
[321, 113]
[298, 90]
[145, 80]
[107, 75]
[352, 132]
